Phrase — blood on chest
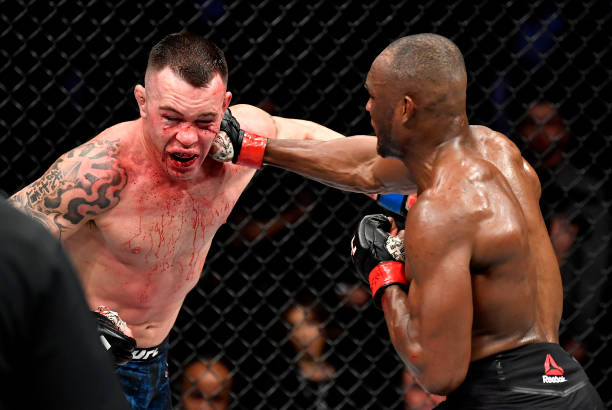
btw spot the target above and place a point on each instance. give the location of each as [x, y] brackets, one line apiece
[158, 231]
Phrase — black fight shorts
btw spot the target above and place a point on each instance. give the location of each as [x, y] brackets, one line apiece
[534, 376]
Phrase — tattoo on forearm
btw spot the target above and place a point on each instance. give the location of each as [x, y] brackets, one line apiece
[65, 194]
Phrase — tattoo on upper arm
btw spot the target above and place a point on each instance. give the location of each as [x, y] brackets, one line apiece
[85, 182]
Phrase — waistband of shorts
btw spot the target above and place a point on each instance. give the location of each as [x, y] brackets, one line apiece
[533, 373]
[149, 353]
[524, 352]
[532, 364]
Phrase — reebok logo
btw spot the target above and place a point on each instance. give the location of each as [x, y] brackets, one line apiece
[553, 379]
[553, 373]
[551, 368]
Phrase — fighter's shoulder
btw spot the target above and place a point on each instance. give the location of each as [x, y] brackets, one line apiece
[441, 217]
[104, 147]
[461, 169]
[500, 150]
[460, 189]
[495, 142]
[98, 159]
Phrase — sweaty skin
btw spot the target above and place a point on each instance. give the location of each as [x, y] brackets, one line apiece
[137, 206]
[484, 276]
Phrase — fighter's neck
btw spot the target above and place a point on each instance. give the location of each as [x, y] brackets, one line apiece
[424, 149]
[142, 159]
[149, 155]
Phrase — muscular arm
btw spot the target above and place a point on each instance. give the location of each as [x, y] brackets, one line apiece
[430, 327]
[350, 164]
[81, 184]
[319, 153]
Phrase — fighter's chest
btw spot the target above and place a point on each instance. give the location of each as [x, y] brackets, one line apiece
[164, 223]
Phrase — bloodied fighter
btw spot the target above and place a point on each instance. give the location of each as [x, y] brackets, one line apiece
[137, 206]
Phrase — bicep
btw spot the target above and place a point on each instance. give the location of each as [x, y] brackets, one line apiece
[438, 251]
[254, 120]
[257, 121]
[394, 176]
[289, 128]
[441, 297]
[79, 186]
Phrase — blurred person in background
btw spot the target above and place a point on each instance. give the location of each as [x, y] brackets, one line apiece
[306, 377]
[206, 385]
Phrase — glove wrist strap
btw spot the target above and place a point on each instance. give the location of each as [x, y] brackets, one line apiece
[252, 150]
[386, 274]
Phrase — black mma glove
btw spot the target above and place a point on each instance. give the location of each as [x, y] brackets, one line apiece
[114, 340]
[232, 143]
[378, 256]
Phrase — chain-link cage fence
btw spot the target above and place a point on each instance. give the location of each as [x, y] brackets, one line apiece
[278, 305]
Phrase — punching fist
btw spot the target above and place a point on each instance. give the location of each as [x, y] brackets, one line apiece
[378, 256]
[236, 145]
[112, 331]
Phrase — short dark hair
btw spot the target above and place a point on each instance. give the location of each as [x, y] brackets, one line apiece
[427, 56]
[190, 56]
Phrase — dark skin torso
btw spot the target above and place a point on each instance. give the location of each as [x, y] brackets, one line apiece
[542, 268]
[484, 274]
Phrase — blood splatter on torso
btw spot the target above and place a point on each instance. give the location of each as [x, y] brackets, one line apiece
[144, 255]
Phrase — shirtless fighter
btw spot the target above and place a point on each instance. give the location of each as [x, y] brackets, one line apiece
[474, 312]
[138, 205]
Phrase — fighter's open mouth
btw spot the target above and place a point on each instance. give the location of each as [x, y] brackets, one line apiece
[183, 157]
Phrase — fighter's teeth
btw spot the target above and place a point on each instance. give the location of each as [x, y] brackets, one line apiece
[182, 157]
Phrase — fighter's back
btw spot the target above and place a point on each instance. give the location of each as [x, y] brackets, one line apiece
[516, 286]
[525, 185]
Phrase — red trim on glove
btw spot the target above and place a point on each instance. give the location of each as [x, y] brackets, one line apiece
[385, 274]
[252, 150]
[412, 198]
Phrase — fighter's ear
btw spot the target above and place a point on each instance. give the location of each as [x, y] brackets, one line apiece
[408, 107]
[226, 100]
[141, 99]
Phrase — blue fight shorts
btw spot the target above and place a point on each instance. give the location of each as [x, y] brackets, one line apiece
[145, 379]
[534, 376]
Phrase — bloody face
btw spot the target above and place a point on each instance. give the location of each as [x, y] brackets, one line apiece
[180, 121]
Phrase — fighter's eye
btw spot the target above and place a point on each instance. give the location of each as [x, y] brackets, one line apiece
[203, 124]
